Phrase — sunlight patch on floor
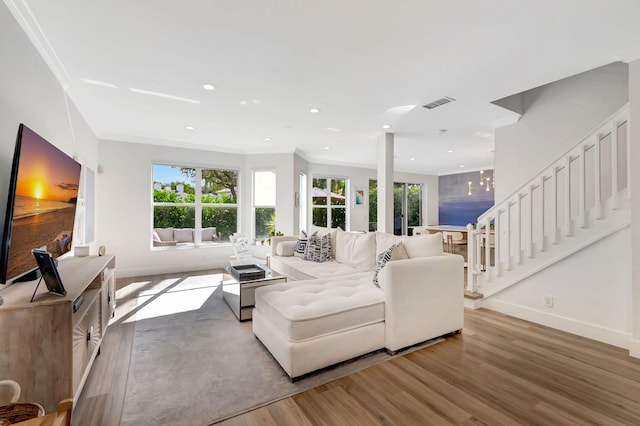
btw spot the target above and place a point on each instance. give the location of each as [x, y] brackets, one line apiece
[176, 295]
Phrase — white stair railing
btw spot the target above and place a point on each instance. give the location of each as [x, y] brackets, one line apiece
[576, 200]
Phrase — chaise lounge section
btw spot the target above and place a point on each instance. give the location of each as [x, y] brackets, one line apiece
[326, 317]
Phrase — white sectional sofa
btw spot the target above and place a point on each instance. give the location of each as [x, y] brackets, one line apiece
[332, 311]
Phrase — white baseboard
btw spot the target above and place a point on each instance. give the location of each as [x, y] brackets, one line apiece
[634, 348]
[170, 269]
[581, 328]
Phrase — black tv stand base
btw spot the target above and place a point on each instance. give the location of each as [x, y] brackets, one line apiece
[29, 276]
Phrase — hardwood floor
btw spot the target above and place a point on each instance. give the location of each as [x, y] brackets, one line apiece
[500, 370]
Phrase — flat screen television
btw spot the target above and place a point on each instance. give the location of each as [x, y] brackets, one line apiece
[41, 205]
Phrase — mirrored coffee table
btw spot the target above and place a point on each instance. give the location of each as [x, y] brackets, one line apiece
[240, 295]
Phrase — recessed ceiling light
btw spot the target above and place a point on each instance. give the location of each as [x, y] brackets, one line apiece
[333, 129]
[450, 151]
[461, 165]
[256, 101]
[314, 110]
[386, 126]
[267, 139]
[412, 159]
[208, 86]
[189, 127]
[243, 102]
[326, 148]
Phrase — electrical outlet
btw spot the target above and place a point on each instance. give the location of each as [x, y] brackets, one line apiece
[548, 301]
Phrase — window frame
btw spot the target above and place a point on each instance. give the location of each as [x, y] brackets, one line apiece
[255, 206]
[328, 206]
[198, 205]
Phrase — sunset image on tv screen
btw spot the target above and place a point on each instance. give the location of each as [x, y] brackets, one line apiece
[45, 201]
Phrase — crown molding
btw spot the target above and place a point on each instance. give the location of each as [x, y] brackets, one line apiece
[627, 55]
[23, 14]
[506, 121]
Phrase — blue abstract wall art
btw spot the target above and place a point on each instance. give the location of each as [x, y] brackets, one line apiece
[456, 206]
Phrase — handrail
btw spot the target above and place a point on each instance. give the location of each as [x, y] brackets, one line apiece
[525, 230]
[622, 111]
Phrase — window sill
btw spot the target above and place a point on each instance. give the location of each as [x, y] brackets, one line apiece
[189, 246]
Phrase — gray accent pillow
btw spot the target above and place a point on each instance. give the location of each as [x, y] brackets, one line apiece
[318, 248]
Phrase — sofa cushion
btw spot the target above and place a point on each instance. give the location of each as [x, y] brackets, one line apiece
[318, 248]
[298, 269]
[286, 248]
[395, 252]
[165, 234]
[209, 234]
[423, 245]
[183, 235]
[357, 250]
[322, 306]
[384, 241]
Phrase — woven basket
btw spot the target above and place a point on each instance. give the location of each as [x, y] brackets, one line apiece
[19, 411]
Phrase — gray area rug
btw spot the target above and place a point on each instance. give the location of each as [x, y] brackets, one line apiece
[194, 363]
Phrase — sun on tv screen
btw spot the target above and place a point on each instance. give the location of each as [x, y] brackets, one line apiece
[41, 204]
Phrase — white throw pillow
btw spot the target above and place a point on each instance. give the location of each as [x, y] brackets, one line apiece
[424, 245]
[384, 241]
[165, 234]
[183, 235]
[156, 237]
[286, 248]
[357, 250]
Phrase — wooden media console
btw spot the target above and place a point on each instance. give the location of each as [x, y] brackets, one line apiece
[48, 346]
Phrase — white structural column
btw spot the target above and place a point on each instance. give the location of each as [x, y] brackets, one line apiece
[634, 157]
[385, 183]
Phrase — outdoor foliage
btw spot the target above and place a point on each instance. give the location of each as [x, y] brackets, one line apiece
[265, 222]
[224, 218]
[174, 217]
[373, 205]
[414, 199]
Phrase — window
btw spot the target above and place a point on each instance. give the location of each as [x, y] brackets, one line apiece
[407, 207]
[329, 202]
[264, 203]
[196, 199]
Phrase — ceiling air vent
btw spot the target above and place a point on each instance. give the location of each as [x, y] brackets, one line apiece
[438, 103]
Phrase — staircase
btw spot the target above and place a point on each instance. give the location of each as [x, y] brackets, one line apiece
[578, 199]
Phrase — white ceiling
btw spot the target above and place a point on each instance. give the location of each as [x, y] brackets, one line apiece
[355, 60]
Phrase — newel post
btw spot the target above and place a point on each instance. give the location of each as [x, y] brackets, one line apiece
[472, 266]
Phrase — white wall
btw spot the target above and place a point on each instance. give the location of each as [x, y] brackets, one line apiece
[30, 94]
[556, 116]
[590, 291]
[124, 209]
[634, 104]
